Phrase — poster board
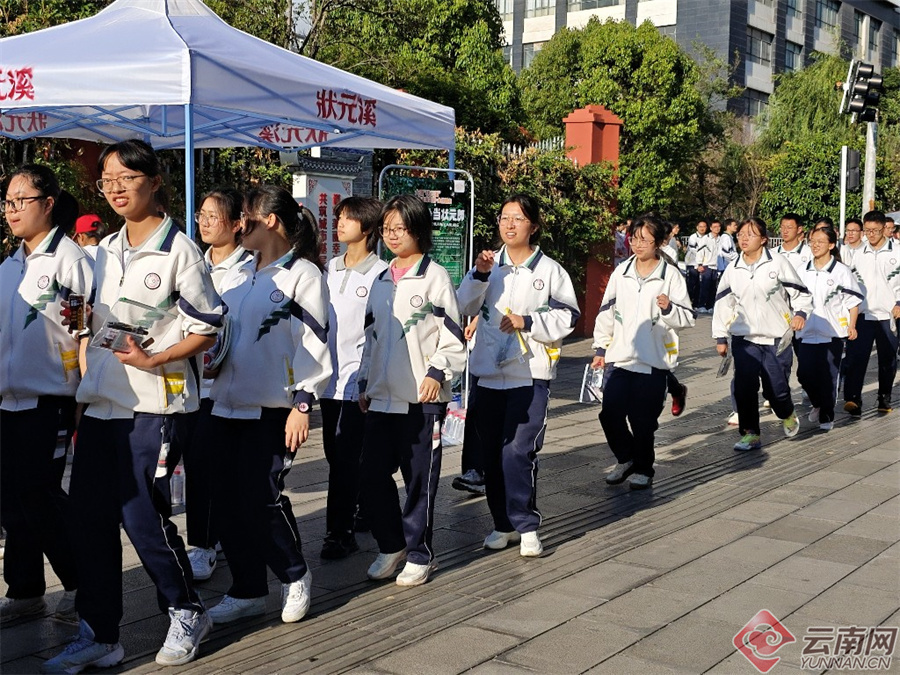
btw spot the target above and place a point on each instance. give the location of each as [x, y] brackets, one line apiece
[321, 194]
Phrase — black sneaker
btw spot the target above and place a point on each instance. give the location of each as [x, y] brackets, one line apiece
[335, 549]
[471, 481]
[884, 405]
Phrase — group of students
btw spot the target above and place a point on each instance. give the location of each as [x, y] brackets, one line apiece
[217, 358]
[227, 351]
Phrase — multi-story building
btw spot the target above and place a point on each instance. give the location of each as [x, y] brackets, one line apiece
[770, 36]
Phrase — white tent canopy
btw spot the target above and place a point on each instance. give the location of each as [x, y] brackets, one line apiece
[150, 68]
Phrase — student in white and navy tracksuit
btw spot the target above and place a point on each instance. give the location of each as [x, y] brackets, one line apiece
[635, 335]
[276, 366]
[727, 252]
[760, 298]
[38, 379]
[527, 306]
[138, 414]
[793, 246]
[853, 241]
[414, 348]
[349, 278]
[218, 222]
[836, 298]
[699, 256]
[877, 268]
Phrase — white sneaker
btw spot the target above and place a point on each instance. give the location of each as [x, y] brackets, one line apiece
[65, 610]
[186, 631]
[733, 420]
[414, 574]
[531, 546]
[232, 609]
[19, 608]
[385, 565]
[639, 481]
[295, 599]
[83, 652]
[766, 404]
[814, 416]
[826, 426]
[619, 473]
[203, 562]
[499, 540]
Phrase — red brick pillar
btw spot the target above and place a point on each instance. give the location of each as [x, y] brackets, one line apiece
[592, 134]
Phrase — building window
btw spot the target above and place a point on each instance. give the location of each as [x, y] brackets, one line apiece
[767, 3]
[578, 5]
[859, 20]
[759, 46]
[895, 52]
[827, 13]
[505, 8]
[539, 8]
[507, 54]
[874, 39]
[529, 51]
[793, 57]
[757, 101]
[793, 9]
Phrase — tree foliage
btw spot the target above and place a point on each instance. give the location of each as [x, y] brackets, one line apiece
[644, 78]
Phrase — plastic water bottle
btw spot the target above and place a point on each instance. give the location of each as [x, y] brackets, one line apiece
[176, 486]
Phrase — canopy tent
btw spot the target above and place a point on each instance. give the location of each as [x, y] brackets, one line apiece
[173, 73]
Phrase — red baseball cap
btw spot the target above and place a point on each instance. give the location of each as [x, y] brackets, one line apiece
[87, 223]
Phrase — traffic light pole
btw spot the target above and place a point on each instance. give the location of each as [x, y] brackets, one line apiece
[844, 162]
[868, 201]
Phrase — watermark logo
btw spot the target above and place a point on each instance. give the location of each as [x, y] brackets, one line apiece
[848, 647]
[760, 638]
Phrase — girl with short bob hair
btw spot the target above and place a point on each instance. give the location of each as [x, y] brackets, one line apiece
[349, 278]
[527, 306]
[140, 397]
[278, 364]
[414, 349]
[760, 298]
[635, 337]
[37, 388]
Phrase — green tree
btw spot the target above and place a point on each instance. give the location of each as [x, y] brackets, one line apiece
[644, 78]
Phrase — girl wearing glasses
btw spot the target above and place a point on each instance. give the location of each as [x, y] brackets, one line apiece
[527, 306]
[219, 224]
[836, 298]
[278, 363]
[37, 389]
[760, 301]
[414, 348]
[646, 302]
[138, 416]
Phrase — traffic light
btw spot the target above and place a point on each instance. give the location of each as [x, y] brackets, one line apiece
[862, 91]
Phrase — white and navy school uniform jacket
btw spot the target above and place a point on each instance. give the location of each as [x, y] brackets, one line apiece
[279, 345]
[540, 291]
[348, 294]
[878, 273]
[164, 287]
[727, 253]
[238, 256]
[834, 293]
[799, 257]
[631, 331]
[848, 253]
[412, 331]
[757, 302]
[700, 250]
[39, 355]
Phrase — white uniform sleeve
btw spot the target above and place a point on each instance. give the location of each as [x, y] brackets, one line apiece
[606, 318]
[556, 322]
[201, 308]
[312, 359]
[680, 313]
[723, 309]
[449, 359]
[799, 296]
[362, 376]
[472, 291]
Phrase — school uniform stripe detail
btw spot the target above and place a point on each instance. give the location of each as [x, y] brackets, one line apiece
[798, 287]
[214, 320]
[451, 325]
[556, 304]
[318, 329]
[609, 304]
[724, 293]
[58, 236]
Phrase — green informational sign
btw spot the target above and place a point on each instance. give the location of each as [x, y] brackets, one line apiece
[449, 202]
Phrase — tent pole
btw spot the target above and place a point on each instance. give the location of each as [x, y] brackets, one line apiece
[189, 169]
